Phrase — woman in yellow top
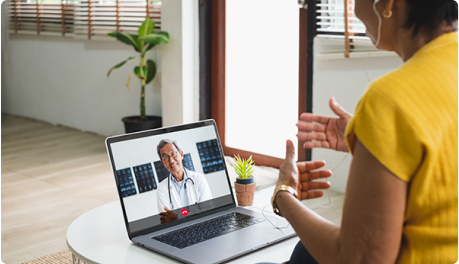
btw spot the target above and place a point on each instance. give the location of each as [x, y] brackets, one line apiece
[401, 203]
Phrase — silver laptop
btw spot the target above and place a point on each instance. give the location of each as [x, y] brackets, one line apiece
[180, 203]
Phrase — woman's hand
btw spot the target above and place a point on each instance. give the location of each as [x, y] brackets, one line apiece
[324, 131]
[299, 175]
[308, 173]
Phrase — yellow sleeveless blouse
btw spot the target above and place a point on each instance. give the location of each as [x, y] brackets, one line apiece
[408, 120]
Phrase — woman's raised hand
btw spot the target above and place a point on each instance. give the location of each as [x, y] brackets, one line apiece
[324, 131]
[302, 175]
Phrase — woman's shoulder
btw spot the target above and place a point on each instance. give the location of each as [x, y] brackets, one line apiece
[434, 66]
[419, 80]
[446, 43]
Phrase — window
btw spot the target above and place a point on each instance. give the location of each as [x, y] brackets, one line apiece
[47, 17]
[261, 75]
[220, 54]
[337, 39]
[89, 19]
[331, 19]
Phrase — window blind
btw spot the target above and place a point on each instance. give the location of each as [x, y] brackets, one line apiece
[94, 18]
[89, 19]
[334, 48]
[46, 17]
[332, 40]
[336, 21]
[331, 19]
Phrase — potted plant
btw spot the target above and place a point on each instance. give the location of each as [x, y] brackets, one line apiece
[145, 70]
[244, 185]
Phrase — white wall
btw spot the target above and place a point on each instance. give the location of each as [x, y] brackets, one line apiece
[180, 67]
[346, 80]
[64, 81]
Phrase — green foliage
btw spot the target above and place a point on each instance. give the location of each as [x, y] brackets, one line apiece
[151, 65]
[156, 38]
[129, 39]
[146, 39]
[244, 167]
[117, 66]
[140, 72]
[146, 28]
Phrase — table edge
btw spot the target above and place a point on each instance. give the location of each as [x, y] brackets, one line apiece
[79, 256]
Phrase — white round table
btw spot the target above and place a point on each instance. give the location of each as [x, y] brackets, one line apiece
[100, 236]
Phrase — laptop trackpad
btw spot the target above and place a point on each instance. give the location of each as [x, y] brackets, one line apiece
[242, 240]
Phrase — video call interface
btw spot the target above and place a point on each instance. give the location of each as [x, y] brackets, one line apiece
[152, 195]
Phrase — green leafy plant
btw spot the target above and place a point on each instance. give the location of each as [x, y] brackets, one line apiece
[244, 167]
[142, 43]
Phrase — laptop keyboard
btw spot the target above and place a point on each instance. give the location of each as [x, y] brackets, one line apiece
[209, 229]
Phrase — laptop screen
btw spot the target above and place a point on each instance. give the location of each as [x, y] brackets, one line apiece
[169, 174]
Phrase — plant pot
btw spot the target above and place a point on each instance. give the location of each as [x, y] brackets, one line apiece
[245, 193]
[134, 124]
[244, 181]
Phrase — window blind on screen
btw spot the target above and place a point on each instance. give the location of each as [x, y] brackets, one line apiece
[89, 19]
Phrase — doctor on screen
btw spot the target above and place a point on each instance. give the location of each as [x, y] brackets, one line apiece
[182, 187]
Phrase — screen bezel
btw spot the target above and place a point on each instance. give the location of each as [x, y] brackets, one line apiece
[156, 132]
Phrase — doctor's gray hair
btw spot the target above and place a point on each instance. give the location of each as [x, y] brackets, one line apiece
[164, 142]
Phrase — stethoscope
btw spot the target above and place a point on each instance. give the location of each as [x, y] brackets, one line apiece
[186, 180]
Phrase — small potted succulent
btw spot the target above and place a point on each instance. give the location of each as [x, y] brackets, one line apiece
[244, 185]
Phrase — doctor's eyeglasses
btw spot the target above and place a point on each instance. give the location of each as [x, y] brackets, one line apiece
[167, 158]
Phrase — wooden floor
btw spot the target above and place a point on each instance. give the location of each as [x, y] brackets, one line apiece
[51, 175]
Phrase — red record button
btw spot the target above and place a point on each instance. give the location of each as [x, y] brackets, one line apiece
[184, 212]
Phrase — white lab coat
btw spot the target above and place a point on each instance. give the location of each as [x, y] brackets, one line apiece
[197, 192]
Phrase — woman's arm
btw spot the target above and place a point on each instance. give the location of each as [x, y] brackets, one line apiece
[373, 213]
